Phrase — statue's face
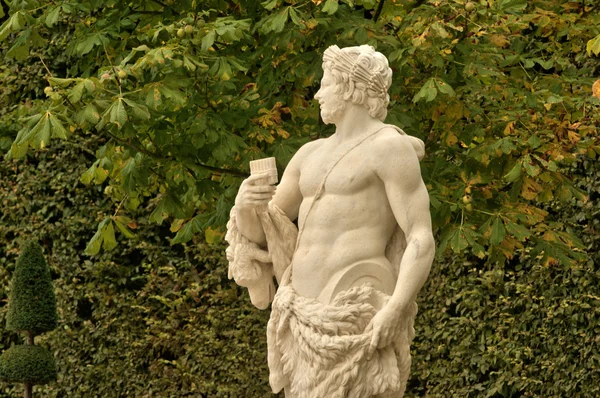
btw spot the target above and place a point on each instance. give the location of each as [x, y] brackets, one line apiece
[332, 106]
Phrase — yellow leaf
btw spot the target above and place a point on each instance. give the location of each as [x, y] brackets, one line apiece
[499, 40]
[509, 246]
[455, 111]
[596, 89]
[451, 139]
[213, 236]
[282, 133]
[549, 236]
[573, 136]
[549, 261]
[530, 189]
[176, 225]
[548, 106]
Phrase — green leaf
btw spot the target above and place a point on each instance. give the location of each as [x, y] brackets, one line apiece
[108, 235]
[139, 111]
[17, 151]
[88, 114]
[42, 137]
[100, 175]
[117, 113]
[593, 45]
[63, 83]
[16, 22]
[278, 22]
[517, 230]
[498, 232]
[5, 29]
[95, 244]
[87, 177]
[444, 87]
[534, 141]
[330, 7]
[458, 241]
[87, 43]
[295, 17]
[52, 16]
[18, 52]
[185, 233]
[428, 92]
[269, 4]
[159, 214]
[532, 169]
[57, 128]
[208, 40]
[123, 228]
[76, 92]
[553, 99]
[512, 5]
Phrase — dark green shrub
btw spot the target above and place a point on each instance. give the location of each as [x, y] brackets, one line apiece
[27, 364]
[32, 305]
[31, 309]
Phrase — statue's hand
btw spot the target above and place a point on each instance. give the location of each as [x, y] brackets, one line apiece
[254, 192]
[385, 327]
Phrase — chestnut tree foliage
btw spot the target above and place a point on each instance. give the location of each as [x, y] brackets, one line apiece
[180, 95]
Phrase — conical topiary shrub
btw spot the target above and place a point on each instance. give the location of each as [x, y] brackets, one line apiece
[31, 309]
[31, 304]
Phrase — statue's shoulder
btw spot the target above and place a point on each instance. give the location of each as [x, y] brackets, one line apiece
[393, 140]
[309, 148]
[312, 145]
[305, 151]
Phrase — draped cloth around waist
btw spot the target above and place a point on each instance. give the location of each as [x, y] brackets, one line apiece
[320, 350]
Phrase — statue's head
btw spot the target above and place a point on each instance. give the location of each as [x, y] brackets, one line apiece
[359, 75]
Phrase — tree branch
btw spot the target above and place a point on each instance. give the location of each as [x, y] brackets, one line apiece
[153, 155]
[378, 11]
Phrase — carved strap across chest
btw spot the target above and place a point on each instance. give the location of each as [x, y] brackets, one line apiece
[318, 194]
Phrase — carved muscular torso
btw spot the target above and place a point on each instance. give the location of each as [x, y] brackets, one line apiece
[349, 225]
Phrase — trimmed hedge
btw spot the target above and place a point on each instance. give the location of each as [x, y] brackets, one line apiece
[151, 320]
[27, 364]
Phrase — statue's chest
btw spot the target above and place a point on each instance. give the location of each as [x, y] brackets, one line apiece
[353, 173]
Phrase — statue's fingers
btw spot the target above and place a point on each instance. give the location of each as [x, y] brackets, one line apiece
[374, 343]
[264, 188]
[384, 340]
[261, 196]
[254, 177]
[257, 202]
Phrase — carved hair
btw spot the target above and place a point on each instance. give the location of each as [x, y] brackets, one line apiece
[362, 76]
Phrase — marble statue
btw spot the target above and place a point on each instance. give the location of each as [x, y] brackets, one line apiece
[342, 315]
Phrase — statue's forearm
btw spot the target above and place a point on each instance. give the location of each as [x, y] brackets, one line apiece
[414, 269]
[249, 225]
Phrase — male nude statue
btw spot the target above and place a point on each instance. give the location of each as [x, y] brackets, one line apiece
[352, 194]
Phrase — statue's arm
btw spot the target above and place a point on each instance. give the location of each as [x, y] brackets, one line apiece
[255, 193]
[400, 172]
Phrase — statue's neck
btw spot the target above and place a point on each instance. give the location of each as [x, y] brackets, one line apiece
[355, 122]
